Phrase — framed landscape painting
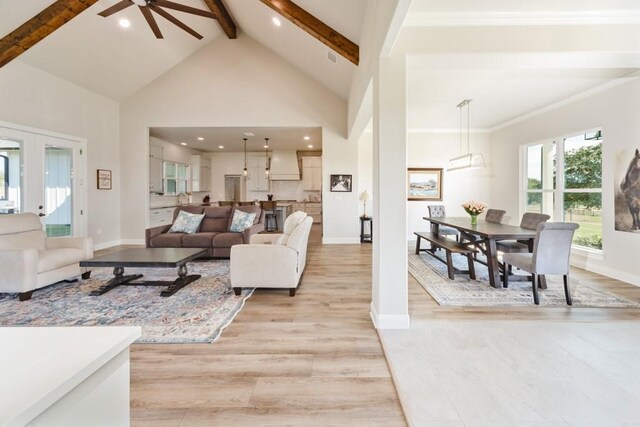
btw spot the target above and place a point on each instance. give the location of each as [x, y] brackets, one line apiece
[424, 184]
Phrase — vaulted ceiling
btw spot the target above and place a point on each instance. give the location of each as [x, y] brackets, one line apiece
[98, 54]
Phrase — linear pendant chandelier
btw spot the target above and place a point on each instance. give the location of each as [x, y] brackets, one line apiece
[468, 160]
[245, 171]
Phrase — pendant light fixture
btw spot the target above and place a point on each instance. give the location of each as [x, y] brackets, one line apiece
[266, 156]
[245, 171]
[468, 160]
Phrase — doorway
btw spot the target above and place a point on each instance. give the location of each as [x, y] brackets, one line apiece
[232, 188]
[44, 174]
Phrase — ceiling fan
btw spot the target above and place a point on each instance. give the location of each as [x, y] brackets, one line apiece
[158, 6]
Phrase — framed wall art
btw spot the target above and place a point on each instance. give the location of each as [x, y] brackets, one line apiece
[104, 179]
[341, 183]
[424, 184]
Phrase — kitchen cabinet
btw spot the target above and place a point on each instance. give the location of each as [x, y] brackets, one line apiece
[200, 173]
[257, 179]
[313, 209]
[160, 216]
[155, 169]
[312, 173]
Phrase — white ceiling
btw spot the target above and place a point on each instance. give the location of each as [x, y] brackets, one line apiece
[96, 53]
[280, 138]
[511, 72]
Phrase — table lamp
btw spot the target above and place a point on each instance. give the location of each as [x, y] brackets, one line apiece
[364, 197]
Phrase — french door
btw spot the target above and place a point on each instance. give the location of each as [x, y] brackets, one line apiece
[45, 175]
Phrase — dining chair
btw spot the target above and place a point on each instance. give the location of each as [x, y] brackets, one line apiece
[551, 252]
[494, 215]
[226, 203]
[271, 216]
[530, 221]
[438, 211]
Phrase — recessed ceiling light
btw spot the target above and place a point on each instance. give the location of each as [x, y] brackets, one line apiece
[276, 21]
[306, 138]
[309, 146]
[221, 146]
[249, 134]
[183, 143]
[200, 138]
[124, 23]
[265, 146]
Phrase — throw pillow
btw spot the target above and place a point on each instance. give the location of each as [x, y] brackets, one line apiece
[186, 223]
[241, 221]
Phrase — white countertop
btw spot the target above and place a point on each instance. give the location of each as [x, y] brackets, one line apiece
[40, 365]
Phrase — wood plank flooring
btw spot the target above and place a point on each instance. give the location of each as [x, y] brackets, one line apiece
[314, 359]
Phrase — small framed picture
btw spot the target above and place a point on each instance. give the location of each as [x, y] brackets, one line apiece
[104, 179]
[341, 183]
[424, 184]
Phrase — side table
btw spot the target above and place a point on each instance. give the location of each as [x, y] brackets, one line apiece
[366, 229]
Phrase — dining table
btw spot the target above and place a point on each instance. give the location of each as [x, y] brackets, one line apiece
[484, 236]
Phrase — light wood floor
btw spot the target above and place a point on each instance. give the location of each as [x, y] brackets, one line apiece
[314, 359]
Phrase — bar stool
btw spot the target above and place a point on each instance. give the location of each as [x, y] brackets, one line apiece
[269, 208]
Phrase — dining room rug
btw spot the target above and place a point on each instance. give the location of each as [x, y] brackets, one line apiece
[195, 314]
[464, 292]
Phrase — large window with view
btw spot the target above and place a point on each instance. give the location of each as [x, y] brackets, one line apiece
[563, 179]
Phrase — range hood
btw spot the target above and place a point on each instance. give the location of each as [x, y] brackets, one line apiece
[284, 166]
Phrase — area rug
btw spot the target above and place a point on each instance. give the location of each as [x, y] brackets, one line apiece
[464, 292]
[196, 313]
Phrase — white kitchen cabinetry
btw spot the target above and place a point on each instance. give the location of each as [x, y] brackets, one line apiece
[257, 179]
[312, 173]
[160, 216]
[155, 169]
[313, 209]
[200, 173]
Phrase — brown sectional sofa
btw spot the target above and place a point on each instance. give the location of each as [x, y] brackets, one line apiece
[213, 234]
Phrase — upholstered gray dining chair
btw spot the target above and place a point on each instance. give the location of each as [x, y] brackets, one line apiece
[551, 252]
[529, 221]
[494, 215]
[438, 211]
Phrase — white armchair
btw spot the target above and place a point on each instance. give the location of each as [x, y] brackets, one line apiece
[30, 260]
[273, 260]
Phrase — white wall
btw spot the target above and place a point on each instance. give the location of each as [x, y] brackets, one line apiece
[365, 169]
[433, 150]
[615, 110]
[31, 97]
[237, 83]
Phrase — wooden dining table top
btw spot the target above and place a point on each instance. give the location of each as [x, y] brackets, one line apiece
[489, 230]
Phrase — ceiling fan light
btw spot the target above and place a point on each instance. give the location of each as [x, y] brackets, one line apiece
[140, 2]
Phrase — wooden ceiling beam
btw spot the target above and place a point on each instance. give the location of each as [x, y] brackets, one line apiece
[40, 26]
[316, 28]
[224, 19]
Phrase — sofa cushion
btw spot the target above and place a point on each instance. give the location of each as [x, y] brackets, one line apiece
[186, 223]
[241, 221]
[52, 259]
[226, 240]
[198, 240]
[189, 209]
[216, 218]
[247, 209]
[167, 240]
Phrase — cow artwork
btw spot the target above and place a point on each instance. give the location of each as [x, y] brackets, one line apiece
[628, 197]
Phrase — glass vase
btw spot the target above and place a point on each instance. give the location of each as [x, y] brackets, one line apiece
[474, 219]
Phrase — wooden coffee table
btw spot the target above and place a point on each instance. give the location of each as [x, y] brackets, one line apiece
[149, 258]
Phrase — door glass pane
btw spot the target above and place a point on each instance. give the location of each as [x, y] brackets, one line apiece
[582, 162]
[586, 210]
[10, 180]
[58, 197]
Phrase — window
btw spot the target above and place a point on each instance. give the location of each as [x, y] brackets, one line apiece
[564, 180]
[175, 178]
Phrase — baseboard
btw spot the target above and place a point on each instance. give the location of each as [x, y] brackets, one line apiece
[582, 262]
[340, 241]
[389, 321]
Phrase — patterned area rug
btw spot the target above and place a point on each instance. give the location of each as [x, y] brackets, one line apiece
[432, 275]
[196, 313]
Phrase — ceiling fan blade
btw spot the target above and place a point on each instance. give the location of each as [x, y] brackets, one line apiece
[182, 8]
[116, 8]
[151, 21]
[175, 21]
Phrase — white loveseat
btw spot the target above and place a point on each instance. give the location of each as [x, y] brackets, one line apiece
[30, 260]
[273, 260]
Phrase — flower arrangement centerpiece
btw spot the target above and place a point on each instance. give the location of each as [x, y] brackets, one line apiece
[474, 209]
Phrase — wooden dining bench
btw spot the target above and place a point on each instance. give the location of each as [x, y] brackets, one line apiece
[450, 247]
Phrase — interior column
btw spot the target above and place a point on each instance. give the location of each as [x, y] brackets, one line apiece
[389, 306]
